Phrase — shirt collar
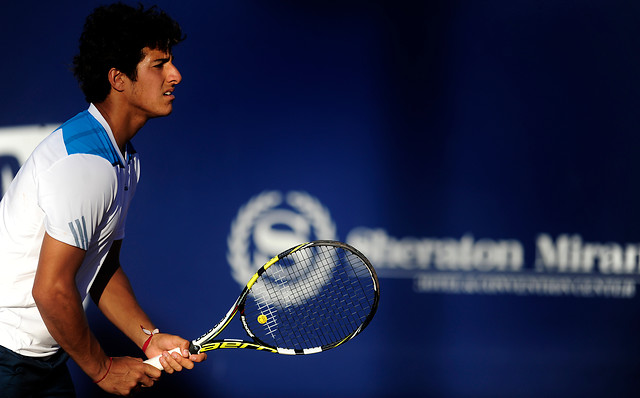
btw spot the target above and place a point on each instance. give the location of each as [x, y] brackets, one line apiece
[98, 116]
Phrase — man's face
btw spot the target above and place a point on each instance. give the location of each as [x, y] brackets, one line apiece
[152, 92]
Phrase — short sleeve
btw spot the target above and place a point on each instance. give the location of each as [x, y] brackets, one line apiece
[75, 193]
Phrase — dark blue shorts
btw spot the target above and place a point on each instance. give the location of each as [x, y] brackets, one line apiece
[28, 377]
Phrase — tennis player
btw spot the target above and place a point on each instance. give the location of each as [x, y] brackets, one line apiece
[62, 220]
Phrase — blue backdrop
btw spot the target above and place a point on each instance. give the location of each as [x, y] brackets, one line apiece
[482, 154]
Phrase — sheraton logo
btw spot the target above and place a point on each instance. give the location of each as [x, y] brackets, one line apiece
[270, 223]
[565, 265]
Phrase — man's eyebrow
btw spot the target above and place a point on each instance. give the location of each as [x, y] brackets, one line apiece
[162, 60]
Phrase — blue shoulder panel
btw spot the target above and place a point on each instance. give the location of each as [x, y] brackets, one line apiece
[84, 134]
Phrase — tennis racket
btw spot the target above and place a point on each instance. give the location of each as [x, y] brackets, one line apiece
[308, 299]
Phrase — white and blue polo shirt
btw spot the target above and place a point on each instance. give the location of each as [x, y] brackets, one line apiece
[76, 186]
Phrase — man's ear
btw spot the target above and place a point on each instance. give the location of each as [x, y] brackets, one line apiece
[117, 79]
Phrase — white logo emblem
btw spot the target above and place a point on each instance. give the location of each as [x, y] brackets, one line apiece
[16, 144]
[265, 226]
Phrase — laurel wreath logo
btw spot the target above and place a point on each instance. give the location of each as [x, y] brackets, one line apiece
[238, 240]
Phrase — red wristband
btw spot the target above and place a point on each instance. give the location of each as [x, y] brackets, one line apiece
[108, 369]
[146, 344]
[150, 333]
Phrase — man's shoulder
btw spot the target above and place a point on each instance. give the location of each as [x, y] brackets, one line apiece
[83, 134]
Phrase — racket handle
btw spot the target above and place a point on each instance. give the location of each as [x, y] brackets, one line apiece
[155, 361]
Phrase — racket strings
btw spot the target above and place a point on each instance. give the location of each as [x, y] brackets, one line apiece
[351, 297]
[312, 298]
[335, 319]
[264, 307]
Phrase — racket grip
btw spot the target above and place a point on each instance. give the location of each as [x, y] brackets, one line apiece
[155, 361]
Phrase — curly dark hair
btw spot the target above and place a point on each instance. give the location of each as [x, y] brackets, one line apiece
[114, 37]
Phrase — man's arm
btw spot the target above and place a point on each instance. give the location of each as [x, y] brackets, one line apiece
[58, 300]
[118, 303]
[114, 296]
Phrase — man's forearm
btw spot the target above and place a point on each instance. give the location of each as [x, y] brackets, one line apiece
[118, 303]
[62, 312]
[58, 300]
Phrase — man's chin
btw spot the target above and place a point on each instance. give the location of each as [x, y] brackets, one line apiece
[162, 114]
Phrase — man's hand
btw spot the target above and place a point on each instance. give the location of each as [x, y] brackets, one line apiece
[126, 374]
[118, 303]
[161, 343]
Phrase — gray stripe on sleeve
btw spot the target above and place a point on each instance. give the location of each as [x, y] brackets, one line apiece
[75, 235]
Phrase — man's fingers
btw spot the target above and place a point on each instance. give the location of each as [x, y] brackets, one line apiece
[169, 362]
[146, 382]
[198, 357]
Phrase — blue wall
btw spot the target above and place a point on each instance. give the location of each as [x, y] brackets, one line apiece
[481, 153]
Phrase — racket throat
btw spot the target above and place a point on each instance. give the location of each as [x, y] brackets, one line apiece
[194, 348]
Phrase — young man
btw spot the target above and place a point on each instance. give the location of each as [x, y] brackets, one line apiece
[62, 219]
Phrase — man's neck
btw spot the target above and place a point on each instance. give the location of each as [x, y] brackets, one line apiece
[123, 123]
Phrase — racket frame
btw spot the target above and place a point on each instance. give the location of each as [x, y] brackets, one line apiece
[206, 342]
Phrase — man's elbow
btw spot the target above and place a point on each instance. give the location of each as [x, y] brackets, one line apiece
[41, 294]
[49, 294]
